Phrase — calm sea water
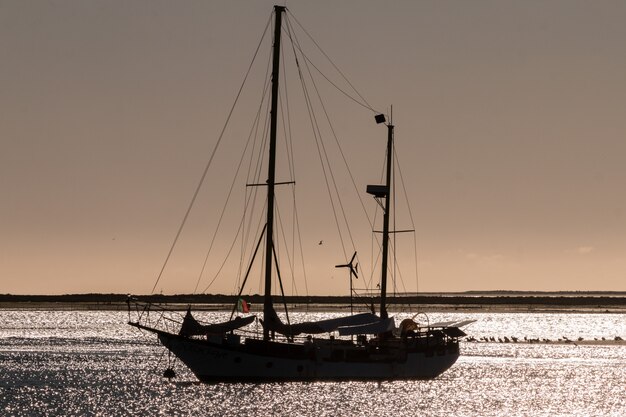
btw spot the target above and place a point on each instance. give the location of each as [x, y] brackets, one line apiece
[82, 363]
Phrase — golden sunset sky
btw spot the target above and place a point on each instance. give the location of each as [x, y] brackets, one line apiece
[511, 134]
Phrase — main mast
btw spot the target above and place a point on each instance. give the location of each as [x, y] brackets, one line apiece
[271, 176]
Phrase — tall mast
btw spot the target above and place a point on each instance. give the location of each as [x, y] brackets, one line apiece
[381, 192]
[383, 278]
[271, 175]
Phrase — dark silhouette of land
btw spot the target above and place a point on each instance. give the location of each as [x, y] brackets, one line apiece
[471, 300]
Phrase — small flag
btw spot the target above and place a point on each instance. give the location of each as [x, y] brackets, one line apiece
[243, 306]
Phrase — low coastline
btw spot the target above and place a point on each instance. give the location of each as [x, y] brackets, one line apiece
[441, 302]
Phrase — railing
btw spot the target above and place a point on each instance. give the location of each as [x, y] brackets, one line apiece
[153, 316]
[156, 317]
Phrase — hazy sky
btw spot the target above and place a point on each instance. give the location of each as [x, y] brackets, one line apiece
[511, 132]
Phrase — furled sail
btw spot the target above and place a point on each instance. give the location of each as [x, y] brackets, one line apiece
[191, 326]
[377, 327]
[273, 323]
[453, 323]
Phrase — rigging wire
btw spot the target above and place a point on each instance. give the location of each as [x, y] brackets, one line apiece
[230, 191]
[208, 165]
[319, 141]
[227, 255]
[396, 266]
[306, 285]
[249, 197]
[286, 120]
[374, 235]
[252, 194]
[295, 44]
[289, 258]
[406, 195]
[255, 179]
[253, 133]
[332, 129]
[230, 249]
[254, 175]
[296, 231]
[319, 145]
[322, 152]
[364, 103]
[296, 217]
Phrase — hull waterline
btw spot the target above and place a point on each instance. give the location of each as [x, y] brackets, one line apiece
[259, 361]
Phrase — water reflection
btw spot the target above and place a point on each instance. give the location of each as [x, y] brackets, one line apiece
[92, 363]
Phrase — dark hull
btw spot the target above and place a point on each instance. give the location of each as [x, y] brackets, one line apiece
[259, 361]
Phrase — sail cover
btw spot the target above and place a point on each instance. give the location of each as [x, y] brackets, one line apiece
[454, 323]
[191, 326]
[272, 322]
[377, 327]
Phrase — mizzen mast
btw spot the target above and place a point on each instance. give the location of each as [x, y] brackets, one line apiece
[381, 192]
[383, 278]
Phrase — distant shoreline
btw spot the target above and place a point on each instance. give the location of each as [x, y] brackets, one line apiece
[495, 301]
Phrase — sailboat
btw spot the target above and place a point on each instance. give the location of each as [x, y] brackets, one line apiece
[363, 346]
